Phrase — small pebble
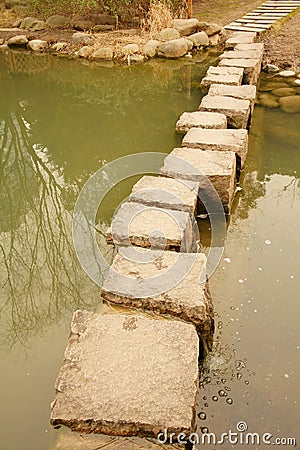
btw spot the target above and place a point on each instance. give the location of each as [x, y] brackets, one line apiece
[287, 73]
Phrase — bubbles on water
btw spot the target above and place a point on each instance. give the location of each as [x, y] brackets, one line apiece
[202, 416]
[227, 388]
[229, 401]
[239, 375]
[204, 398]
[239, 365]
[268, 242]
[204, 430]
[215, 398]
[223, 380]
[206, 405]
[220, 325]
[222, 393]
[247, 382]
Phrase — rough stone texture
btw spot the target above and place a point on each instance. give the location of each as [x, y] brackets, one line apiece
[20, 41]
[83, 38]
[214, 40]
[180, 195]
[210, 28]
[58, 46]
[150, 48]
[237, 111]
[218, 140]
[222, 75]
[38, 45]
[199, 39]
[202, 165]
[199, 119]
[58, 21]
[127, 375]
[40, 26]
[85, 52]
[176, 285]
[130, 49]
[244, 92]
[189, 43]
[290, 104]
[28, 22]
[185, 27]
[103, 53]
[82, 441]
[268, 100]
[250, 47]
[168, 34]
[173, 49]
[146, 226]
[242, 54]
[284, 92]
[137, 58]
[103, 28]
[251, 68]
[240, 38]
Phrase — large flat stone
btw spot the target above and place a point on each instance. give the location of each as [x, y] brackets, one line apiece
[222, 75]
[167, 283]
[254, 46]
[147, 226]
[82, 441]
[219, 140]
[127, 375]
[242, 54]
[200, 120]
[244, 92]
[236, 110]
[181, 195]
[209, 168]
[240, 38]
[252, 68]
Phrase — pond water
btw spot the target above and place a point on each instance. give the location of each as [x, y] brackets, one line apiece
[60, 121]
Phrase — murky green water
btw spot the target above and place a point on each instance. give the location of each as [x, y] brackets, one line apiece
[59, 125]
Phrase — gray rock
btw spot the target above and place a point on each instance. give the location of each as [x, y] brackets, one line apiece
[218, 140]
[85, 51]
[137, 59]
[290, 104]
[284, 92]
[146, 226]
[244, 92]
[287, 73]
[17, 23]
[252, 68]
[222, 75]
[150, 48]
[166, 193]
[20, 40]
[103, 28]
[189, 44]
[185, 27]
[130, 49]
[236, 110]
[58, 21]
[103, 53]
[82, 25]
[199, 119]
[214, 40]
[167, 283]
[268, 100]
[210, 28]
[167, 34]
[37, 45]
[199, 39]
[271, 68]
[40, 26]
[83, 38]
[240, 38]
[58, 46]
[255, 46]
[127, 375]
[242, 54]
[173, 49]
[202, 165]
[28, 22]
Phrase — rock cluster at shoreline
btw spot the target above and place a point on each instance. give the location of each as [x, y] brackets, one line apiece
[282, 91]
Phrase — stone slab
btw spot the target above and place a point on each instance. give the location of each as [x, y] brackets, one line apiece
[180, 195]
[127, 375]
[200, 119]
[239, 27]
[244, 92]
[208, 168]
[167, 283]
[219, 140]
[245, 47]
[146, 226]
[252, 68]
[240, 38]
[217, 70]
[236, 110]
[222, 75]
[242, 54]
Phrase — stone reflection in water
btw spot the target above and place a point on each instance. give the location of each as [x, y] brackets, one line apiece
[40, 277]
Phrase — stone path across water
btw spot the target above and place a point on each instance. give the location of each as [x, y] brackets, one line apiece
[265, 16]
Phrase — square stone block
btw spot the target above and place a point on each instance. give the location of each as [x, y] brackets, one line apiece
[127, 375]
[252, 68]
[236, 110]
[200, 119]
[243, 37]
[242, 54]
[147, 226]
[244, 92]
[221, 75]
[211, 169]
[250, 47]
[167, 283]
[180, 195]
[219, 140]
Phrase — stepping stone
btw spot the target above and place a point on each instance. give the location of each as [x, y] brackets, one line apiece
[220, 75]
[200, 120]
[240, 38]
[250, 47]
[205, 167]
[167, 283]
[238, 27]
[242, 54]
[127, 375]
[244, 92]
[82, 441]
[236, 110]
[145, 226]
[252, 68]
[181, 195]
[219, 140]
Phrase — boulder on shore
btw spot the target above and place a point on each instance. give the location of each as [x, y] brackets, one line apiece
[20, 41]
[185, 27]
[173, 49]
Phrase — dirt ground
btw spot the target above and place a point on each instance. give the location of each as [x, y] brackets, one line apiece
[222, 11]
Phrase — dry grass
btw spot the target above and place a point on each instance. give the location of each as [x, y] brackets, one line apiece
[158, 17]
